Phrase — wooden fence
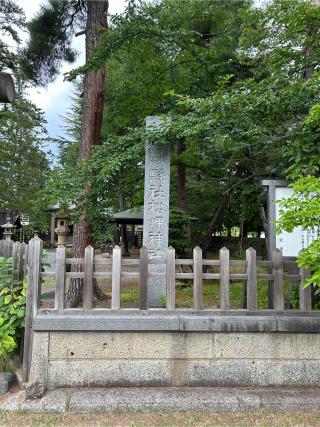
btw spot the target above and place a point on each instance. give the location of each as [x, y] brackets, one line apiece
[143, 318]
[93, 267]
[19, 253]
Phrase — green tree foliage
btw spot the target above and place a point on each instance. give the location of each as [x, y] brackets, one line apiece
[50, 37]
[291, 45]
[232, 78]
[179, 222]
[150, 51]
[303, 209]
[69, 144]
[283, 36]
[23, 164]
[12, 20]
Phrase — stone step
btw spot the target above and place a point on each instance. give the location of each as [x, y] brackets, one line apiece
[209, 399]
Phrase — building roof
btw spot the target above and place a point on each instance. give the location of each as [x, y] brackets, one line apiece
[129, 216]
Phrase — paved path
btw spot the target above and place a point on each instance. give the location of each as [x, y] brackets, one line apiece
[167, 399]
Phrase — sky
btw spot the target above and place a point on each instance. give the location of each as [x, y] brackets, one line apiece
[55, 100]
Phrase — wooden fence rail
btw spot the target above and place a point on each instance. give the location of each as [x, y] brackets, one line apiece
[94, 266]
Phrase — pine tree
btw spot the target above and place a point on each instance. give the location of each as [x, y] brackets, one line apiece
[11, 20]
[23, 164]
[51, 33]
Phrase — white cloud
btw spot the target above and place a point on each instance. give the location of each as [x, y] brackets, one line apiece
[30, 7]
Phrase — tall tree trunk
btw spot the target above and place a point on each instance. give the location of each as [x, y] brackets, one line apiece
[257, 176]
[181, 184]
[241, 225]
[215, 222]
[93, 102]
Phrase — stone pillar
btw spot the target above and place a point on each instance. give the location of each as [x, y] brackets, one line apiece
[156, 211]
[8, 229]
[53, 225]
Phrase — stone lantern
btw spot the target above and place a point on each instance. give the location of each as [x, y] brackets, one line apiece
[8, 229]
[62, 230]
[7, 90]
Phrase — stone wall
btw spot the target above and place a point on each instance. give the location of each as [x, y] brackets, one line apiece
[72, 359]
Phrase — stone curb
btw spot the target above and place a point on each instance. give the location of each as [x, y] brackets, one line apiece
[168, 399]
[7, 379]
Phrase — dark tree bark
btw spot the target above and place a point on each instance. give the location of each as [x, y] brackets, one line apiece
[257, 176]
[181, 184]
[215, 222]
[93, 102]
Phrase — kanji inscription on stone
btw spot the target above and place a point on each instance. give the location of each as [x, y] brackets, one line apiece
[156, 211]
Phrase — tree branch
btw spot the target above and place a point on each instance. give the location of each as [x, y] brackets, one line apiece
[79, 33]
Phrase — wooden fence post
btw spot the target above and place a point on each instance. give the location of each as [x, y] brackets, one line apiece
[171, 278]
[305, 302]
[14, 273]
[143, 270]
[8, 247]
[197, 279]
[15, 254]
[278, 297]
[224, 279]
[116, 278]
[35, 267]
[26, 259]
[28, 318]
[252, 279]
[88, 278]
[32, 300]
[20, 263]
[60, 278]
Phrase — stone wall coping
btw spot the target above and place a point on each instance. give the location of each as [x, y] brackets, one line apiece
[161, 320]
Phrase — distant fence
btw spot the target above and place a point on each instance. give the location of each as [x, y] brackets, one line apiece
[24, 235]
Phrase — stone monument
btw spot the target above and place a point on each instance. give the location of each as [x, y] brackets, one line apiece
[156, 211]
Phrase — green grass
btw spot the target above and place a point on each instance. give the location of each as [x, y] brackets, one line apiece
[184, 295]
[164, 419]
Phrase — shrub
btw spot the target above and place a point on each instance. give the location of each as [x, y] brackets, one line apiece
[12, 307]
